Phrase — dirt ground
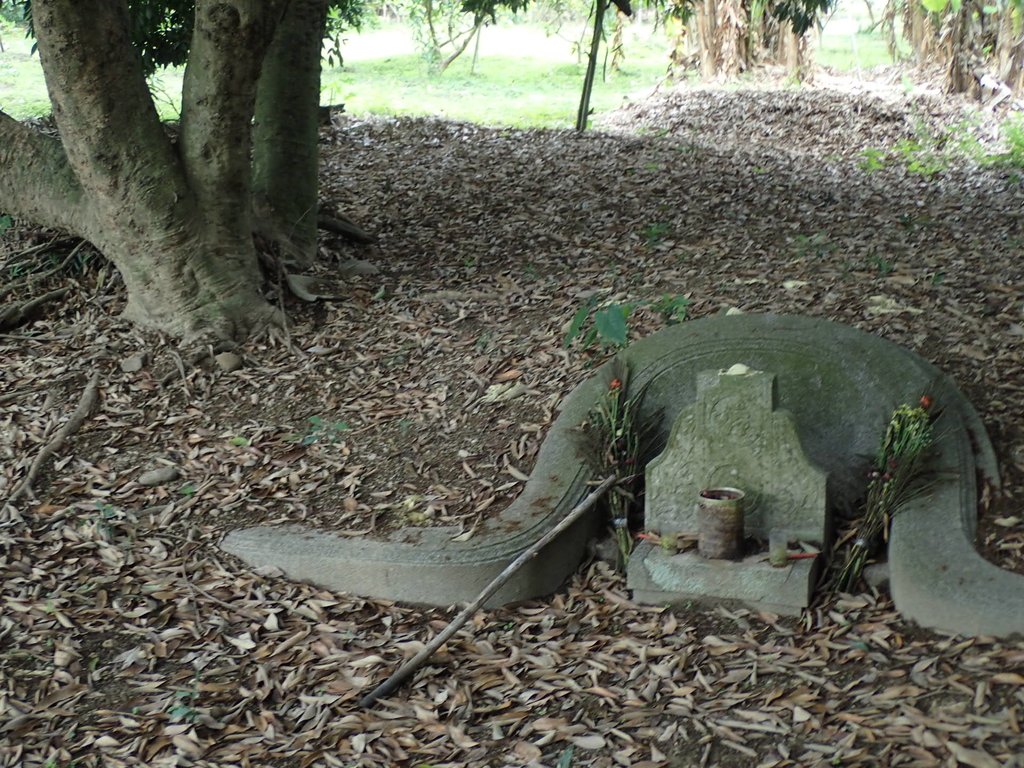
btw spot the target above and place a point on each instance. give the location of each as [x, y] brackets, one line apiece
[419, 394]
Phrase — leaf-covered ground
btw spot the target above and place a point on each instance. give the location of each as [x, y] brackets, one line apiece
[420, 396]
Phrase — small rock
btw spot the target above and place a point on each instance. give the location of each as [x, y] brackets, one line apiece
[158, 476]
[877, 576]
[268, 571]
[604, 548]
[228, 361]
[135, 363]
[355, 267]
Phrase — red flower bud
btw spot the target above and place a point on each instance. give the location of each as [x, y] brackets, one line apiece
[926, 401]
[615, 384]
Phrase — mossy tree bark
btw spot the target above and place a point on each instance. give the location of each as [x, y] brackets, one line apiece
[176, 219]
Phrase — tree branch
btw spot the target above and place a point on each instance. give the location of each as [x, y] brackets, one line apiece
[36, 181]
[109, 127]
[85, 405]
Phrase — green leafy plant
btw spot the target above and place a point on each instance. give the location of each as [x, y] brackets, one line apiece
[184, 710]
[608, 326]
[872, 160]
[920, 158]
[656, 232]
[1012, 131]
[673, 309]
[323, 431]
[611, 437]
[895, 478]
[882, 265]
[817, 245]
[6, 222]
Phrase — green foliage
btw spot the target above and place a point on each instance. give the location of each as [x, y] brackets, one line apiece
[929, 152]
[1012, 131]
[920, 157]
[161, 30]
[611, 438]
[882, 265]
[673, 309]
[11, 11]
[442, 29]
[341, 17]
[323, 431]
[801, 14]
[939, 6]
[818, 245]
[655, 233]
[183, 710]
[897, 476]
[872, 160]
[609, 326]
[489, 8]
[6, 222]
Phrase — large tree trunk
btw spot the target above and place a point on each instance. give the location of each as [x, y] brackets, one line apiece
[176, 221]
[285, 156]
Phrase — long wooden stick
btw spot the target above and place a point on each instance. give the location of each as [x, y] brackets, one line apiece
[406, 670]
[75, 420]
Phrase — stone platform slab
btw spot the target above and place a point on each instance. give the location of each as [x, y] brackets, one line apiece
[661, 577]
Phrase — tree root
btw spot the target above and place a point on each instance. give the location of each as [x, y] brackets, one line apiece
[13, 315]
[78, 416]
[19, 259]
[342, 225]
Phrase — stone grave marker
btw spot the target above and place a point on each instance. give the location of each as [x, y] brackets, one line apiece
[733, 436]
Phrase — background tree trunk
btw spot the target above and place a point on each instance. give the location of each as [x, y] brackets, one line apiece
[732, 30]
[1010, 47]
[706, 18]
[959, 38]
[285, 156]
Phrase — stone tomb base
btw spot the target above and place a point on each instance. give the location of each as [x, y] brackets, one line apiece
[658, 576]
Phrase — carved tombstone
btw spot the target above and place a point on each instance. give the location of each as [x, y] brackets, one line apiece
[733, 436]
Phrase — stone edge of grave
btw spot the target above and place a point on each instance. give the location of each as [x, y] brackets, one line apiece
[429, 565]
[938, 579]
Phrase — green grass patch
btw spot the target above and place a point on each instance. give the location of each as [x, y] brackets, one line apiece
[502, 91]
[523, 77]
[22, 89]
[863, 50]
